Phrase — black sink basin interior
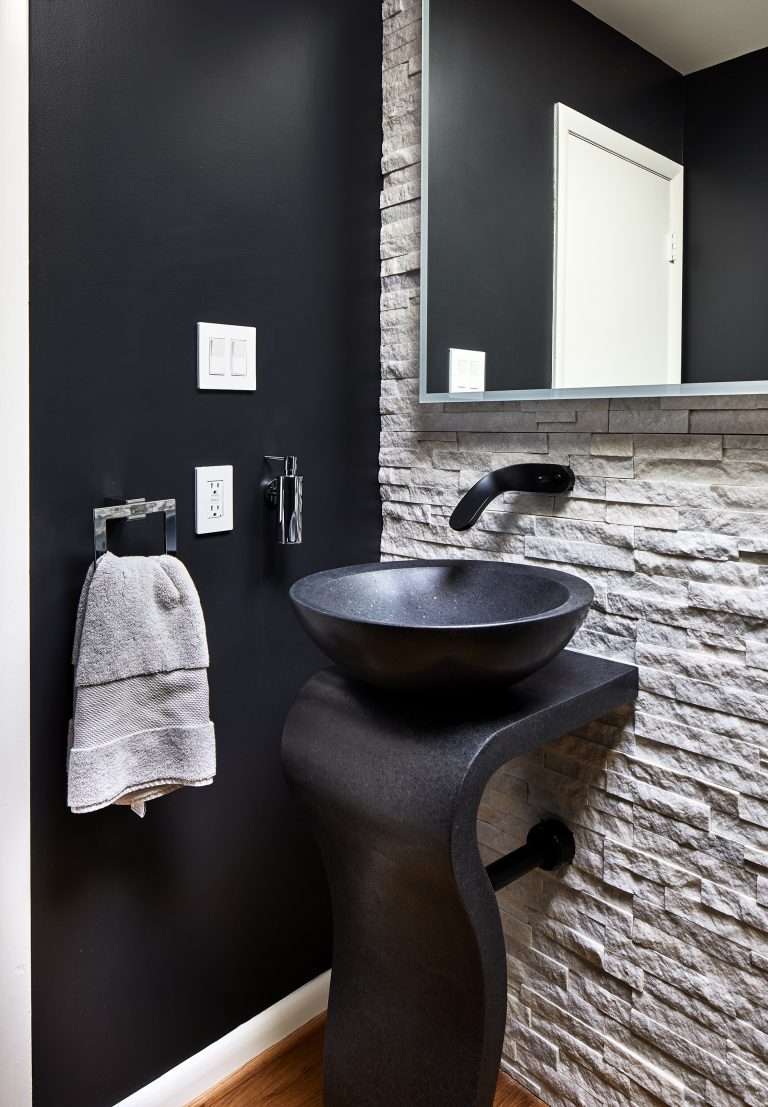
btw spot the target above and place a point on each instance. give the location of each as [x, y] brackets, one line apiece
[441, 624]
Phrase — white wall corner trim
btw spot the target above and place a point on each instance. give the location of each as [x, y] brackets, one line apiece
[15, 1002]
[195, 1075]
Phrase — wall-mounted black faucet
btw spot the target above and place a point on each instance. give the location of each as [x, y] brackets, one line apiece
[551, 479]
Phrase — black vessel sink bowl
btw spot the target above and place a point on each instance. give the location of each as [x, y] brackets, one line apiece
[447, 625]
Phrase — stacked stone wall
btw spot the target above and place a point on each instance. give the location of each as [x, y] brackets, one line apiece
[640, 975]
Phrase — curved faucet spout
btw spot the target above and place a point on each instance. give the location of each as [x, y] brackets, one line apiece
[550, 479]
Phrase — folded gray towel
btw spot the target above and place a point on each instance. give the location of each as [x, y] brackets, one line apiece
[140, 725]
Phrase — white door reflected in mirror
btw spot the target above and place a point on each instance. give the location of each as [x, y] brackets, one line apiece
[618, 271]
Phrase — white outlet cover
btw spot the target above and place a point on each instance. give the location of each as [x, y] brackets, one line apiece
[214, 499]
[226, 357]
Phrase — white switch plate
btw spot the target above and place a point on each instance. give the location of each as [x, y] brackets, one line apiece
[214, 501]
[226, 357]
[466, 371]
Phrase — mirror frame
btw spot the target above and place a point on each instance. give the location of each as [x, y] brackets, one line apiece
[706, 388]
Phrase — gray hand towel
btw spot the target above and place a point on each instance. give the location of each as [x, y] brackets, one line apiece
[140, 725]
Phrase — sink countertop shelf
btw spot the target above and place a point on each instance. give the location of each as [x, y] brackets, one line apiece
[391, 786]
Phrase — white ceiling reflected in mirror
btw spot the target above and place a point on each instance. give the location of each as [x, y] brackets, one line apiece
[688, 34]
[616, 279]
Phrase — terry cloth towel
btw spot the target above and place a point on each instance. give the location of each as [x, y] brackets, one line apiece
[140, 724]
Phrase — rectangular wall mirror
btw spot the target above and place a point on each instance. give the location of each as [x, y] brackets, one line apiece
[594, 198]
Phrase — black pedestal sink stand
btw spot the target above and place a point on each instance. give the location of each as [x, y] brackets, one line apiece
[391, 787]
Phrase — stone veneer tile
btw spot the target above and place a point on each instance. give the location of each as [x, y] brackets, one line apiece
[719, 421]
[648, 421]
[637, 976]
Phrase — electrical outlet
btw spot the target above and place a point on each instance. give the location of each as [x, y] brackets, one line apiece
[213, 499]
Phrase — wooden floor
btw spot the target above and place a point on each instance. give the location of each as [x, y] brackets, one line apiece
[290, 1074]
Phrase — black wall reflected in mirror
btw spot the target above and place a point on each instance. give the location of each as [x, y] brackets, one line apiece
[725, 288]
[494, 77]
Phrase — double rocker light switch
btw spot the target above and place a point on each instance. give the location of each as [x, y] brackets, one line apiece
[226, 357]
[466, 371]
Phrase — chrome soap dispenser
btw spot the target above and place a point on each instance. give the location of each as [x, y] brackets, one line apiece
[284, 493]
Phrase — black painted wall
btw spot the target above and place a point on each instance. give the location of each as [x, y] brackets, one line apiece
[215, 160]
[726, 228]
[490, 277]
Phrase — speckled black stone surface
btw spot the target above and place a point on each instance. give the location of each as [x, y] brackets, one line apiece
[447, 625]
[391, 787]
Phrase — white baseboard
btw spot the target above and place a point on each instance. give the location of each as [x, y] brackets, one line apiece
[195, 1075]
